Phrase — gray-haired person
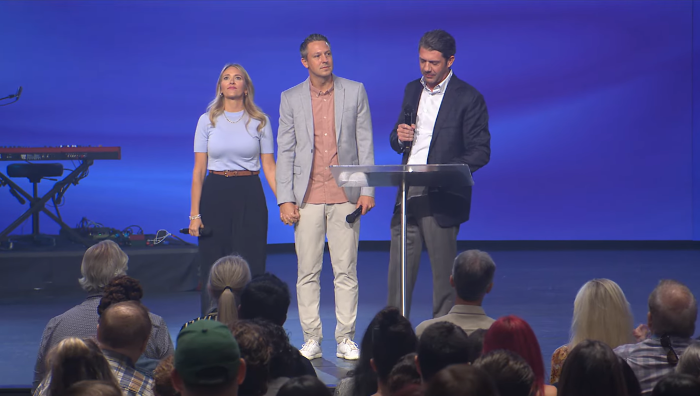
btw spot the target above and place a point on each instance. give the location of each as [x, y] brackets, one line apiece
[101, 263]
[472, 278]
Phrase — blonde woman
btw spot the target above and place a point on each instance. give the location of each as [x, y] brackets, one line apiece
[233, 141]
[227, 278]
[601, 313]
[73, 360]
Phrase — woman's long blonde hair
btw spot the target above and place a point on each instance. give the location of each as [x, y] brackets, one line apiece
[216, 106]
[602, 313]
[227, 278]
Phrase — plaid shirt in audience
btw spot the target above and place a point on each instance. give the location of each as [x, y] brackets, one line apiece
[132, 382]
[648, 359]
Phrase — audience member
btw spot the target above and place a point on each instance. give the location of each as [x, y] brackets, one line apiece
[677, 385]
[255, 351]
[631, 381]
[671, 319]
[101, 263]
[304, 386]
[227, 278]
[442, 344]
[510, 372]
[388, 337]
[404, 374]
[514, 334]
[123, 334]
[163, 384]
[592, 368]
[207, 361]
[689, 363]
[601, 312]
[265, 297]
[285, 361]
[472, 278]
[410, 390]
[73, 360]
[93, 388]
[461, 380]
[476, 345]
[125, 288]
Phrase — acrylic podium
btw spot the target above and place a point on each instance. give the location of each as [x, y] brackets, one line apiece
[402, 176]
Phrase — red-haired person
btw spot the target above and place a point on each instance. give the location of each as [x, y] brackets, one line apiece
[514, 334]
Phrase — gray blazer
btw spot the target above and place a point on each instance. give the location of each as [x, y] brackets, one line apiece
[295, 137]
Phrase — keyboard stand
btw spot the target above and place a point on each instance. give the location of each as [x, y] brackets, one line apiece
[38, 205]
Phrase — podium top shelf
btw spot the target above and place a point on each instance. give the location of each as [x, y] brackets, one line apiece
[431, 175]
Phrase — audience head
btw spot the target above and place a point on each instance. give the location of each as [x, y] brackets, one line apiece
[121, 288]
[73, 360]
[306, 385]
[511, 373]
[689, 363]
[403, 374]
[476, 345]
[514, 334]
[592, 368]
[388, 337]
[461, 380]
[93, 388]
[227, 278]
[677, 385]
[207, 360]
[255, 351]
[125, 327]
[283, 356]
[163, 383]
[102, 262]
[631, 381]
[672, 310]
[392, 338]
[472, 275]
[601, 312]
[410, 390]
[440, 345]
[266, 297]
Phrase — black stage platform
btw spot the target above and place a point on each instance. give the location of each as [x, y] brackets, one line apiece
[160, 268]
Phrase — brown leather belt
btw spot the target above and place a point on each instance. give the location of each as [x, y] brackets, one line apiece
[231, 173]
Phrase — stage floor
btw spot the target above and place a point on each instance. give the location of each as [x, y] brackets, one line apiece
[538, 285]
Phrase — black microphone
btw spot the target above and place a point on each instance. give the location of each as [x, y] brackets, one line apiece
[408, 120]
[354, 215]
[204, 231]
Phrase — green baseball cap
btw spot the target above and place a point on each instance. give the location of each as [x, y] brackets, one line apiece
[207, 354]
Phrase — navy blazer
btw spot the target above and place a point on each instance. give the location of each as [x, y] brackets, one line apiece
[460, 136]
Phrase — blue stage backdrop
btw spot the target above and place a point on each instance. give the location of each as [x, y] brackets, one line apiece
[590, 102]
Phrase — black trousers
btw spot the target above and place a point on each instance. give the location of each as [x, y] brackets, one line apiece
[235, 210]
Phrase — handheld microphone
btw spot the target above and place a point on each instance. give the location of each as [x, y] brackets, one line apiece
[354, 215]
[408, 120]
[204, 231]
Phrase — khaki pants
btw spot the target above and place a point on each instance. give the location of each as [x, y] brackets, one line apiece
[315, 222]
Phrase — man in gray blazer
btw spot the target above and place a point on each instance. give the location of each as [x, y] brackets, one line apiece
[324, 121]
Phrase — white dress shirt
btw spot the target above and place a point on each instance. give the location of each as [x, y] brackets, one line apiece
[428, 109]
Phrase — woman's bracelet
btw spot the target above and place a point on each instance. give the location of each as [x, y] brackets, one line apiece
[199, 216]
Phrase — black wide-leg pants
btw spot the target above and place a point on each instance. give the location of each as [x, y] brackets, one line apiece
[235, 211]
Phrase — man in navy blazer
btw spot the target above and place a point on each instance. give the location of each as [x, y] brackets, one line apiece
[451, 127]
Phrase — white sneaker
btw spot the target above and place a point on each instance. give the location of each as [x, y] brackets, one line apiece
[311, 350]
[348, 350]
